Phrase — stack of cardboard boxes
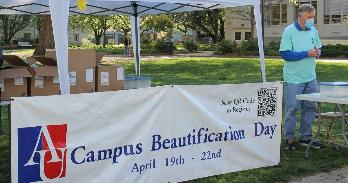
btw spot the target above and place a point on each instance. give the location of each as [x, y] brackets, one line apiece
[110, 78]
[82, 65]
[45, 81]
[15, 78]
[14, 82]
[86, 75]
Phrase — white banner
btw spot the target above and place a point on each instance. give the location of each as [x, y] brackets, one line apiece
[161, 134]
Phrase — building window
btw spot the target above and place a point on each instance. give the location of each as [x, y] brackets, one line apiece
[76, 38]
[27, 37]
[335, 11]
[247, 35]
[275, 16]
[275, 12]
[284, 11]
[110, 38]
[313, 3]
[237, 36]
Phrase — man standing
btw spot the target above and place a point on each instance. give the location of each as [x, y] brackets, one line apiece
[300, 46]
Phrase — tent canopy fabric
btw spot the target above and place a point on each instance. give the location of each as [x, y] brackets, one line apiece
[60, 10]
[122, 7]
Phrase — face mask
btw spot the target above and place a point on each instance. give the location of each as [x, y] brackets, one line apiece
[310, 23]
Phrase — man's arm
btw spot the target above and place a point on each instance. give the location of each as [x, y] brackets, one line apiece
[293, 56]
[286, 47]
[296, 56]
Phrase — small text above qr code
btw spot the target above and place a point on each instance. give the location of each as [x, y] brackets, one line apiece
[267, 102]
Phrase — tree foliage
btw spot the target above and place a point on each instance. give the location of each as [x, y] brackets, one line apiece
[11, 24]
[157, 23]
[96, 24]
[100, 24]
[207, 23]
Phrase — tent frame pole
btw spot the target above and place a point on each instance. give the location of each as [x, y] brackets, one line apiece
[262, 3]
[260, 40]
[136, 44]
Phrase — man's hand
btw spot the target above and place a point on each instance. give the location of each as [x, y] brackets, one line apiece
[319, 50]
[314, 53]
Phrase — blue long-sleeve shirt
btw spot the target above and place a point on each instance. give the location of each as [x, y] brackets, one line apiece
[297, 39]
[293, 56]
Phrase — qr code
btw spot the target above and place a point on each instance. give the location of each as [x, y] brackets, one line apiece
[267, 102]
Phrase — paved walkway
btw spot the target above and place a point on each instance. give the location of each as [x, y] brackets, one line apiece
[336, 176]
[152, 57]
[334, 60]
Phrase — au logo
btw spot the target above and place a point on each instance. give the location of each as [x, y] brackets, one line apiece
[42, 153]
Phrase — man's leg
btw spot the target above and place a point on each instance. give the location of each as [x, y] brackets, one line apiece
[308, 112]
[291, 106]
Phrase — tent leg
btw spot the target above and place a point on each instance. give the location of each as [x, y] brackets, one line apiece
[257, 12]
[136, 37]
[59, 10]
[137, 52]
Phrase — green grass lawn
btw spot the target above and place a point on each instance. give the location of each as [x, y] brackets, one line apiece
[227, 70]
[19, 51]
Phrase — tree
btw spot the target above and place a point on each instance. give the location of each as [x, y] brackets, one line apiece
[46, 38]
[157, 23]
[207, 23]
[11, 24]
[123, 23]
[245, 13]
[96, 24]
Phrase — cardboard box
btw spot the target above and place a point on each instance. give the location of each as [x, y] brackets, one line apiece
[82, 68]
[82, 79]
[14, 82]
[14, 60]
[110, 78]
[78, 57]
[99, 57]
[44, 60]
[45, 81]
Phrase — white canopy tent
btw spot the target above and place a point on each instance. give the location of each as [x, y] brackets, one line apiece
[60, 9]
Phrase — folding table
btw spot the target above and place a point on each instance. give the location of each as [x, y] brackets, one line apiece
[339, 101]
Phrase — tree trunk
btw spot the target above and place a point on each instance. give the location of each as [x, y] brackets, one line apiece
[7, 41]
[126, 42]
[97, 38]
[7, 35]
[222, 29]
[104, 39]
[216, 34]
[105, 28]
[46, 39]
[125, 38]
